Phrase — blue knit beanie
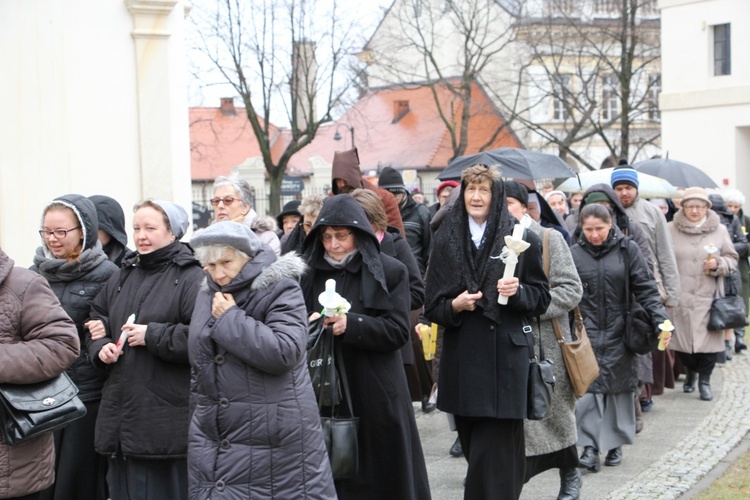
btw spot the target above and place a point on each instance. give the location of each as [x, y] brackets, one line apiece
[624, 174]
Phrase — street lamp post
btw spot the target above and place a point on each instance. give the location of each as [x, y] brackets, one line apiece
[337, 136]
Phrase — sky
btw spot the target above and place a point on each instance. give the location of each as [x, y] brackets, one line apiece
[367, 12]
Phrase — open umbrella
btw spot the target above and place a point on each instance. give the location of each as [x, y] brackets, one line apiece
[512, 163]
[678, 173]
[648, 185]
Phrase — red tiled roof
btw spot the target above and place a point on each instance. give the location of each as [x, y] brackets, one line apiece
[418, 140]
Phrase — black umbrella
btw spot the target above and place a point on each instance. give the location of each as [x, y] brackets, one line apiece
[512, 163]
[677, 173]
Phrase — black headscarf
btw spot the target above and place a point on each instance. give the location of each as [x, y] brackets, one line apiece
[344, 211]
[455, 263]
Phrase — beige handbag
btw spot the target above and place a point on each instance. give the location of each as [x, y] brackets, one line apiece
[578, 355]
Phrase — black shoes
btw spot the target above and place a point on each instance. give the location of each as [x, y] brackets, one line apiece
[428, 407]
[590, 459]
[739, 342]
[570, 484]
[689, 385]
[704, 387]
[647, 406]
[728, 349]
[456, 450]
[614, 457]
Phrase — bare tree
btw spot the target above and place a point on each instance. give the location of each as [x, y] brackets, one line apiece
[283, 58]
[446, 45]
[592, 69]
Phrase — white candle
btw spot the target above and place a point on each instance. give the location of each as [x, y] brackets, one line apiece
[512, 259]
[330, 292]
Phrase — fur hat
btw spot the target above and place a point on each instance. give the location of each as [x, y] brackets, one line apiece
[696, 193]
[178, 217]
[230, 234]
[624, 174]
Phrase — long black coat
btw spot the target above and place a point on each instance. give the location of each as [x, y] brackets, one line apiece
[603, 306]
[391, 461]
[144, 407]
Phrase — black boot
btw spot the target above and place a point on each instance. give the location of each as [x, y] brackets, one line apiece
[728, 349]
[570, 484]
[739, 341]
[689, 385]
[590, 459]
[427, 407]
[704, 386]
[614, 457]
[456, 450]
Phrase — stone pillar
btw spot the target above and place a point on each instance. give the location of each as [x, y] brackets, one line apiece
[162, 105]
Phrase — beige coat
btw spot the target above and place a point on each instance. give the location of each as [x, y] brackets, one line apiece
[690, 316]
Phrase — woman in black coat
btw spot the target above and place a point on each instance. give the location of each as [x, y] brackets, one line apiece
[342, 246]
[605, 416]
[485, 361]
[71, 259]
[143, 417]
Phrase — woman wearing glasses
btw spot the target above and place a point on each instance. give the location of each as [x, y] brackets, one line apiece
[139, 334]
[73, 262]
[233, 201]
[342, 246]
[693, 228]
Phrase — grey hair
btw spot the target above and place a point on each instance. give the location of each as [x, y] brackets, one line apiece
[240, 185]
[311, 204]
[209, 254]
[733, 196]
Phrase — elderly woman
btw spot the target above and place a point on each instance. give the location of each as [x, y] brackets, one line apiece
[734, 200]
[233, 201]
[343, 247]
[71, 259]
[485, 360]
[308, 208]
[143, 416]
[255, 418]
[607, 262]
[693, 228]
[551, 443]
[38, 341]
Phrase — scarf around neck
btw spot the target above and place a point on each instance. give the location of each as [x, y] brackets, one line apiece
[62, 270]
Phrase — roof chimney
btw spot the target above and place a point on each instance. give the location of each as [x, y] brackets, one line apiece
[227, 106]
[400, 109]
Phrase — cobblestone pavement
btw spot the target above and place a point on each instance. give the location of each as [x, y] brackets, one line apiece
[683, 439]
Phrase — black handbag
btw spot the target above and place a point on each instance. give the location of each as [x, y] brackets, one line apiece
[340, 432]
[29, 410]
[640, 336]
[727, 312]
[541, 380]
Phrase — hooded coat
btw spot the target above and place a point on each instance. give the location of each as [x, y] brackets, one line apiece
[690, 315]
[75, 284]
[391, 464]
[734, 228]
[346, 167]
[112, 221]
[255, 428]
[144, 406]
[39, 341]
[485, 359]
[603, 272]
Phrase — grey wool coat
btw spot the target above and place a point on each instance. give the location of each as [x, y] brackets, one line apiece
[255, 428]
[558, 431]
[690, 315]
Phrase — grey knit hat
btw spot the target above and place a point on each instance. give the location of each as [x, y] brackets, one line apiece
[178, 217]
[228, 233]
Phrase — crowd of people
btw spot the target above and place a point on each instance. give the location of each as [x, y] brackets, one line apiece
[191, 357]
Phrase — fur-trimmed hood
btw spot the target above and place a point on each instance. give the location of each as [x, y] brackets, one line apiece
[261, 272]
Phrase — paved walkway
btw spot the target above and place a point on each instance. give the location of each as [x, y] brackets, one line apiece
[682, 441]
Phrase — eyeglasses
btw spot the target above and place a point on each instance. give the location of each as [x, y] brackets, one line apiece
[695, 206]
[59, 233]
[227, 200]
[340, 236]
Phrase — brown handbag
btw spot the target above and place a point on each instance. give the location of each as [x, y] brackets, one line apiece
[579, 358]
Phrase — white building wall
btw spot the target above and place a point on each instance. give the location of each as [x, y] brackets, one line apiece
[77, 99]
[706, 118]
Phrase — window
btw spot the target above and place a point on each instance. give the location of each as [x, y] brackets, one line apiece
[610, 101]
[654, 89]
[560, 86]
[722, 50]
